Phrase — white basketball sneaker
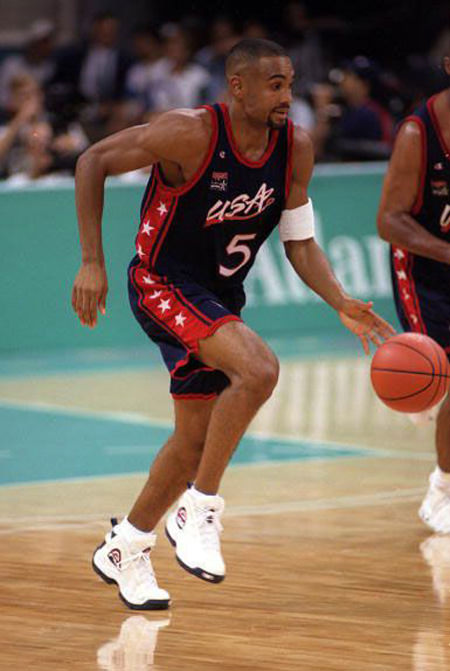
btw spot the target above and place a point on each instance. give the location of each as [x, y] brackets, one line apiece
[435, 509]
[127, 564]
[194, 528]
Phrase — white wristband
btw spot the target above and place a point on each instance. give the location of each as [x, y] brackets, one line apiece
[297, 224]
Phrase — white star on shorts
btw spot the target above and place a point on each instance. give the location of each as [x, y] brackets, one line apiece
[180, 319]
[147, 279]
[156, 294]
[164, 305]
[162, 209]
[146, 228]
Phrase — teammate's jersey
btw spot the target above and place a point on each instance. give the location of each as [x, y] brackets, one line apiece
[431, 209]
[210, 229]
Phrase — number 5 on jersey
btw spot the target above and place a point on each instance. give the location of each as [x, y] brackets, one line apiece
[235, 247]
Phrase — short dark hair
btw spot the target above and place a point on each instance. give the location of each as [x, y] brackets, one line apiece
[250, 50]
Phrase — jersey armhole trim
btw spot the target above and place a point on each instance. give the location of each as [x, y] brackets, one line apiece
[179, 190]
[290, 160]
[423, 162]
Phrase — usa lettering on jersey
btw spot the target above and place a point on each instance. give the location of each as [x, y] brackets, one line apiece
[241, 207]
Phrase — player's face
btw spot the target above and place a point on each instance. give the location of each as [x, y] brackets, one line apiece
[267, 91]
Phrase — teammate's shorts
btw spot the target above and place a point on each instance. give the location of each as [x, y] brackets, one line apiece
[422, 309]
[176, 314]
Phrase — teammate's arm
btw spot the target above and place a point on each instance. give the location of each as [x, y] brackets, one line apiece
[400, 191]
[311, 264]
[175, 136]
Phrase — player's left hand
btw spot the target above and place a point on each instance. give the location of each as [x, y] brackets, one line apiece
[361, 320]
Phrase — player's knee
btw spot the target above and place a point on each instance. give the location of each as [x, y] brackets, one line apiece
[260, 379]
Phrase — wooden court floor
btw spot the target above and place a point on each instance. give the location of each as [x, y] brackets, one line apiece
[329, 567]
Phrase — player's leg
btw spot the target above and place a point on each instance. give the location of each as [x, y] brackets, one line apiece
[252, 369]
[123, 558]
[175, 465]
[443, 435]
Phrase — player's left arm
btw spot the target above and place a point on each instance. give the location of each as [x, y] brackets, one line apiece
[310, 262]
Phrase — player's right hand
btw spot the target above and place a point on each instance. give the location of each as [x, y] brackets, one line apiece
[89, 292]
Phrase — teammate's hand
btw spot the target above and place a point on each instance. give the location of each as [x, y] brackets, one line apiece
[89, 293]
[361, 320]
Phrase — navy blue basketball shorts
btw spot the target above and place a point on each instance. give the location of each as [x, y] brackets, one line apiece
[176, 315]
[422, 309]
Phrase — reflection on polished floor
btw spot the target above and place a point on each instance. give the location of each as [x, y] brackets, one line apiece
[329, 567]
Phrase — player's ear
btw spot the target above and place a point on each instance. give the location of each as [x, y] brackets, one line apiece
[235, 84]
[447, 64]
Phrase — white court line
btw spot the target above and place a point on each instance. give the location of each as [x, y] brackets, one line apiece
[143, 420]
[55, 523]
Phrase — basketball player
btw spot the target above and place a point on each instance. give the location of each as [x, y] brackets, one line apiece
[223, 178]
[414, 216]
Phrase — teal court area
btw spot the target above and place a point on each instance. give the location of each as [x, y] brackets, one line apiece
[46, 445]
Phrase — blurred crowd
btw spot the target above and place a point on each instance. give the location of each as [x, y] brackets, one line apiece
[56, 100]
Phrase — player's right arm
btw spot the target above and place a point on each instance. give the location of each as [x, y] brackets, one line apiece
[177, 137]
[401, 189]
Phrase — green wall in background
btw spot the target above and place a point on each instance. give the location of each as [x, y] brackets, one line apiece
[40, 257]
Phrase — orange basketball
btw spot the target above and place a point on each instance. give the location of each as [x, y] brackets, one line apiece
[410, 372]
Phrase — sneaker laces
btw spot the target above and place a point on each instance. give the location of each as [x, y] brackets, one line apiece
[143, 566]
[210, 527]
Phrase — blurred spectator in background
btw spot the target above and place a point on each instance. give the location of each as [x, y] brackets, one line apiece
[352, 125]
[30, 145]
[254, 29]
[223, 36]
[37, 59]
[176, 80]
[148, 51]
[96, 71]
[304, 46]
[138, 100]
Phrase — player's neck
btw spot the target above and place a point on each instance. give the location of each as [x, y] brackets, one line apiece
[251, 138]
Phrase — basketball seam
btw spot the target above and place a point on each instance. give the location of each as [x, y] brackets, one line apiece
[440, 367]
[402, 398]
[402, 344]
[410, 372]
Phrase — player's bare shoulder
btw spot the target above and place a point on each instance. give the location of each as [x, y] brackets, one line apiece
[180, 133]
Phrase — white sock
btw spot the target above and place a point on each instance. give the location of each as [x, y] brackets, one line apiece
[441, 478]
[129, 531]
[199, 496]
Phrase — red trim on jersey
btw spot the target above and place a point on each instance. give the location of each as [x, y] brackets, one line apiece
[290, 161]
[423, 162]
[193, 397]
[403, 263]
[229, 130]
[204, 164]
[437, 127]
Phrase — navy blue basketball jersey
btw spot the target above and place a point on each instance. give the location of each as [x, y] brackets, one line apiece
[415, 275]
[210, 228]
[432, 206]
